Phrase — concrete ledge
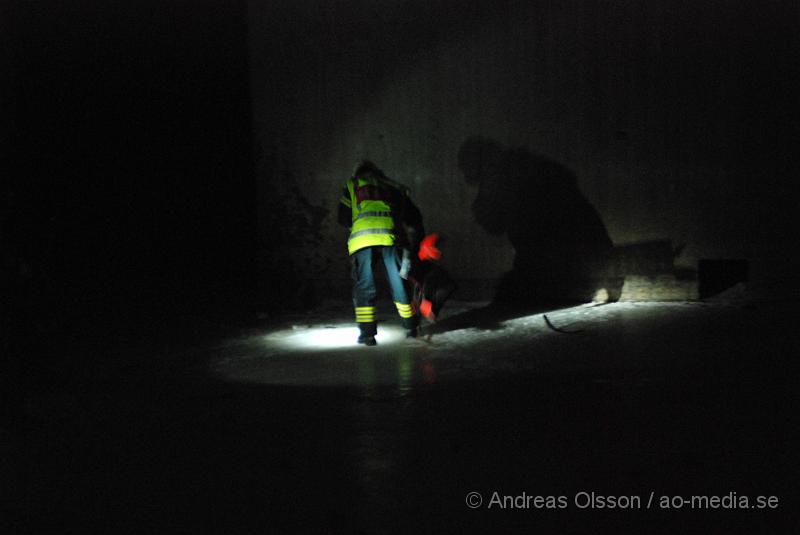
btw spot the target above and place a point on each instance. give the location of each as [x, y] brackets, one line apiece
[658, 288]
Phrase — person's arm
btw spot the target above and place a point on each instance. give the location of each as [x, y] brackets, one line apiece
[424, 246]
[412, 221]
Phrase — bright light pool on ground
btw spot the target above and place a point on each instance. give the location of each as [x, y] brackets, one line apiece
[328, 337]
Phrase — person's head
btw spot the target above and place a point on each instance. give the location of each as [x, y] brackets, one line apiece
[367, 169]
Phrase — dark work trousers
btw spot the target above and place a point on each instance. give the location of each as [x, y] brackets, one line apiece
[365, 292]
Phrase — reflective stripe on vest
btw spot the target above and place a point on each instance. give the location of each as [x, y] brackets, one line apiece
[373, 223]
[373, 214]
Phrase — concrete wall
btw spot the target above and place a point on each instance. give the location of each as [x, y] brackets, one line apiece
[677, 118]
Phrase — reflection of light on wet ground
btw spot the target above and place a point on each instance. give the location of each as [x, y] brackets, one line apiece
[405, 370]
[319, 353]
[323, 351]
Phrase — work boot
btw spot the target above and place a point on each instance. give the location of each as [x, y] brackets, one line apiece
[367, 340]
[368, 332]
[412, 326]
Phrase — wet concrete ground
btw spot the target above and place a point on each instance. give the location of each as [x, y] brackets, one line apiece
[285, 427]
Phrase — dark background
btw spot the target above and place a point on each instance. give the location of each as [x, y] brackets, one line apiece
[165, 158]
[169, 169]
[128, 179]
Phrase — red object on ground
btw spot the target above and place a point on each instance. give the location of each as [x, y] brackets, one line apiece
[428, 249]
[426, 309]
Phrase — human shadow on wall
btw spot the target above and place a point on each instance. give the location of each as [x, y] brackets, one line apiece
[563, 252]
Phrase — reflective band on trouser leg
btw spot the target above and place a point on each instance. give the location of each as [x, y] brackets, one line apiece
[365, 314]
[405, 311]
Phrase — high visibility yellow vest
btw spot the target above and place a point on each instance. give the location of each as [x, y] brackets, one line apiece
[372, 202]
